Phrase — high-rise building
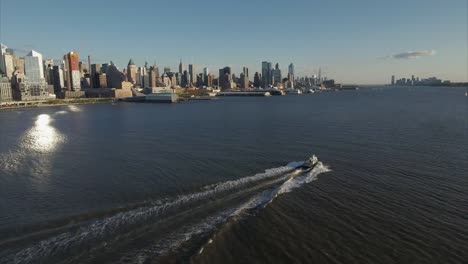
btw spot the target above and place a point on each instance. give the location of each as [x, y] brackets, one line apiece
[104, 67]
[206, 71]
[6, 93]
[83, 68]
[225, 77]
[153, 76]
[102, 80]
[131, 72]
[9, 60]
[18, 64]
[156, 70]
[34, 70]
[209, 80]
[244, 78]
[181, 67]
[245, 71]
[72, 71]
[319, 78]
[167, 69]
[48, 74]
[192, 73]
[166, 80]
[185, 80]
[35, 90]
[291, 75]
[291, 69]
[257, 80]
[276, 74]
[95, 71]
[57, 79]
[393, 80]
[114, 76]
[266, 74]
[200, 80]
[2, 59]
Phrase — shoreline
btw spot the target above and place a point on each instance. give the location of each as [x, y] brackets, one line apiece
[54, 102]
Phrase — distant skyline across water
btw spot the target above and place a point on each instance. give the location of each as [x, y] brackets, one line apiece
[351, 41]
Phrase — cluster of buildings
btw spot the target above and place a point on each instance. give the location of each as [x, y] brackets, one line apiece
[30, 77]
[416, 81]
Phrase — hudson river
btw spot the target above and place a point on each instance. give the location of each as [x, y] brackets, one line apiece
[214, 181]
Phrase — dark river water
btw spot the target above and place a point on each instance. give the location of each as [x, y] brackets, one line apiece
[214, 181]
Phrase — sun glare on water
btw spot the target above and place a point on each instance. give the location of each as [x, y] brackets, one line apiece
[42, 136]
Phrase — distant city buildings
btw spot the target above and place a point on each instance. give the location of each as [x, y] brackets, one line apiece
[31, 77]
[225, 78]
[416, 81]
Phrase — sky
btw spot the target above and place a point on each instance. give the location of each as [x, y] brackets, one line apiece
[353, 42]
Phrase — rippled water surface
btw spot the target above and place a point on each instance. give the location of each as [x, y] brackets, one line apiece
[215, 181]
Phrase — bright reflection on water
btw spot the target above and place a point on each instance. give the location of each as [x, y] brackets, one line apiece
[74, 108]
[42, 136]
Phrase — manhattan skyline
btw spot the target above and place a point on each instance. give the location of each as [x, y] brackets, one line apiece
[360, 42]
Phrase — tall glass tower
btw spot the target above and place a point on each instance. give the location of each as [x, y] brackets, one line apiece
[33, 66]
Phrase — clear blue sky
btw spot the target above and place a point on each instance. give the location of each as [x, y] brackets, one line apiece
[353, 41]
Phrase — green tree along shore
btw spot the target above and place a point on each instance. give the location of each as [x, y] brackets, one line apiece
[79, 101]
[53, 102]
[188, 93]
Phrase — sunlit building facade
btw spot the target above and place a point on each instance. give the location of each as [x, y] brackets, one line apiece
[33, 66]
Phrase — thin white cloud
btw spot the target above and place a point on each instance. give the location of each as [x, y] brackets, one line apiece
[414, 54]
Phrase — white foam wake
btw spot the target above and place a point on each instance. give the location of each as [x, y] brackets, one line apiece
[105, 228]
[296, 182]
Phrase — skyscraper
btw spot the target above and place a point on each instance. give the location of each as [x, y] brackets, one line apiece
[73, 71]
[224, 79]
[209, 80]
[114, 76]
[266, 73]
[9, 62]
[393, 80]
[95, 71]
[185, 79]
[192, 73]
[2, 59]
[57, 79]
[244, 78]
[277, 77]
[33, 66]
[132, 72]
[153, 76]
[291, 75]
[181, 67]
[291, 69]
[206, 71]
[257, 80]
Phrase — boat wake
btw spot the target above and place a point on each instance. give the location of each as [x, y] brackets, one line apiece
[162, 226]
